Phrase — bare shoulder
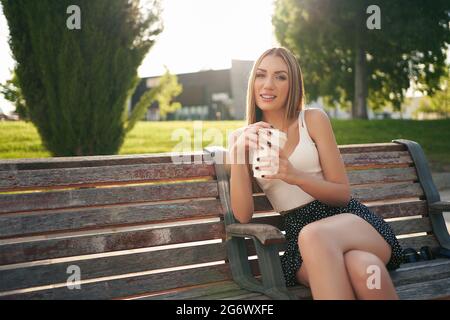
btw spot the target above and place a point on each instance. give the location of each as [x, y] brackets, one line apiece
[317, 121]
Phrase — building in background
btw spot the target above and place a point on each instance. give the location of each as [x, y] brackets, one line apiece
[207, 95]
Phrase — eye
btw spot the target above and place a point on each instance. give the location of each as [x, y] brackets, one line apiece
[260, 75]
[281, 77]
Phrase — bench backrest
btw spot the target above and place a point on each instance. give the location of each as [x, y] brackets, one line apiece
[127, 223]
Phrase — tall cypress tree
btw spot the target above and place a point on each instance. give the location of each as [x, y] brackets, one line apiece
[76, 81]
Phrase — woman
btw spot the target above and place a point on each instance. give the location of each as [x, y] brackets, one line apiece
[335, 245]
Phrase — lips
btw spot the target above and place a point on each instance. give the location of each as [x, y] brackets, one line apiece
[267, 97]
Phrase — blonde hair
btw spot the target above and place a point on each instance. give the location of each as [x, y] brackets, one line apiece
[296, 92]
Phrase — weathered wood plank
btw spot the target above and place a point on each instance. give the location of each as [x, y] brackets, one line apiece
[134, 285]
[387, 191]
[386, 211]
[238, 294]
[411, 226]
[377, 159]
[400, 209]
[104, 175]
[418, 242]
[399, 227]
[421, 271]
[96, 161]
[46, 274]
[435, 289]
[371, 147]
[99, 243]
[53, 221]
[374, 176]
[103, 196]
[385, 175]
[194, 292]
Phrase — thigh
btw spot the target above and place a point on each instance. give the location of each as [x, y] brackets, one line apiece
[302, 275]
[347, 232]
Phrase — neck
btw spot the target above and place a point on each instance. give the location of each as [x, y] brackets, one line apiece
[276, 119]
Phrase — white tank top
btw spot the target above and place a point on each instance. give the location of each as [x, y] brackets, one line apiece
[305, 157]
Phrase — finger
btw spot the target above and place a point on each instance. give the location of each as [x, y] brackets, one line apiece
[267, 159]
[252, 136]
[271, 176]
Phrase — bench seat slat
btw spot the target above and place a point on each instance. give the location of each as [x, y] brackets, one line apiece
[421, 271]
[13, 253]
[435, 289]
[193, 292]
[105, 196]
[132, 286]
[97, 176]
[54, 221]
[54, 273]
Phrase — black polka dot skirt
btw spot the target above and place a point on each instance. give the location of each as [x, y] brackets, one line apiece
[294, 220]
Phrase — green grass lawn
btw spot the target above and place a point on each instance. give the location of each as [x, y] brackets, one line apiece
[21, 140]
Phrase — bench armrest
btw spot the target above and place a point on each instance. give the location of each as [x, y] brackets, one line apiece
[265, 233]
[440, 206]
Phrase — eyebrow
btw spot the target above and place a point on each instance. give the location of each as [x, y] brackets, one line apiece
[280, 71]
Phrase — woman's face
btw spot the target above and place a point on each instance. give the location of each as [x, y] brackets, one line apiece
[271, 84]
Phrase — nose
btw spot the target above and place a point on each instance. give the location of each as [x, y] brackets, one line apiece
[268, 83]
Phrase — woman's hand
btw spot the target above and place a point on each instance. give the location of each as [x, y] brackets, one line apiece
[244, 140]
[286, 170]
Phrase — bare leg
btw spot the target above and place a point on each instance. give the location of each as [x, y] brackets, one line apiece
[369, 276]
[323, 244]
[327, 274]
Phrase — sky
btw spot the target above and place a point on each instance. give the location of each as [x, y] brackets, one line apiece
[198, 35]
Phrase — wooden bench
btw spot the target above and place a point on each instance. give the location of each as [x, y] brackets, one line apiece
[394, 181]
[146, 227]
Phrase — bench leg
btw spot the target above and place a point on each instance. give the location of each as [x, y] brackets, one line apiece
[273, 284]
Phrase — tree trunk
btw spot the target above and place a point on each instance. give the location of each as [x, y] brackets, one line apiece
[359, 108]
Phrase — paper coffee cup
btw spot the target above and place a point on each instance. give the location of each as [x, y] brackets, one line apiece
[269, 156]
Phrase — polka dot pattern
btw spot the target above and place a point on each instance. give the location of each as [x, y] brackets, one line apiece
[295, 219]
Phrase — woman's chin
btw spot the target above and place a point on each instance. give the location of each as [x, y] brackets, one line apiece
[268, 107]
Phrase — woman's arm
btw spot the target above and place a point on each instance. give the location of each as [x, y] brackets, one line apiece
[335, 189]
[241, 191]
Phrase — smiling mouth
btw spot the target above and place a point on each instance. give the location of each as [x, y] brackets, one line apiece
[267, 98]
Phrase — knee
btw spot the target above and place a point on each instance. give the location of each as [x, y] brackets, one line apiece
[361, 265]
[314, 236]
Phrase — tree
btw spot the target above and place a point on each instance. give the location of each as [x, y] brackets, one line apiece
[77, 67]
[11, 91]
[439, 103]
[167, 89]
[346, 62]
